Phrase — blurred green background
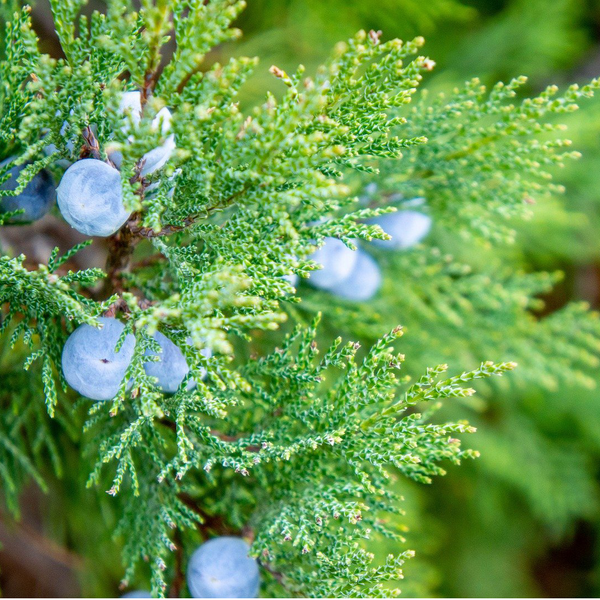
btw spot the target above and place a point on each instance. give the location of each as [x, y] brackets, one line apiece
[524, 519]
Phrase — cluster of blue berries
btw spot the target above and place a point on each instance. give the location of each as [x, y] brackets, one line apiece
[90, 199]
[93, 367]
[354, 275]
[131, 107]
[220, 568]
[89, 195]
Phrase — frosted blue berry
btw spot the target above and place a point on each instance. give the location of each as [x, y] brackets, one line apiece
[337, 260]
[407, 228]
[131, 105]
[35, 200]
[157, 158]
[363, 282]
[154, 159]
[90, 198]
[137, 594]
[221, 568]
[89, 361]
[171, 367]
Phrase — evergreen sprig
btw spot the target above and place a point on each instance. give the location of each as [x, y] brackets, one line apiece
[487, 156]
[293, 450]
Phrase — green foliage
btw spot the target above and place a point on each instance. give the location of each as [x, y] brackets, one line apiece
[503, 545]
[299, 16]
[285, 30]
[496, 156]
[536, 37]
[299, 452]
[494, 313]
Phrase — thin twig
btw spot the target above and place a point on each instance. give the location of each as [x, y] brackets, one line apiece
[120, 249]
[91, 146]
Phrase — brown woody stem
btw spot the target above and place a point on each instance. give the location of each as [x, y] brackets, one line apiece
[120, 250]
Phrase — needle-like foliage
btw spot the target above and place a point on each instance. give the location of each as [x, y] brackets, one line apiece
[292, 442]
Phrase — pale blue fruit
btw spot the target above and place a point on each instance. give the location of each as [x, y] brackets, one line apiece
[131, 105]
[407, 228]
[221, 568]
[337, 260]
[90, 198]
[89, 361]
[171, 367]
[137, 594]
[363, 282]
[35, 200]
[156, 158]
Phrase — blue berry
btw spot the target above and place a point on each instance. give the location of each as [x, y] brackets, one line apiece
[89, 361]
[154, 159]
[137, 594]
[90, 198]
[407, 228]
[131, 105]
[35, 200]
[171, 367]
[337, 260]
[221, 568]
[363, 282]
